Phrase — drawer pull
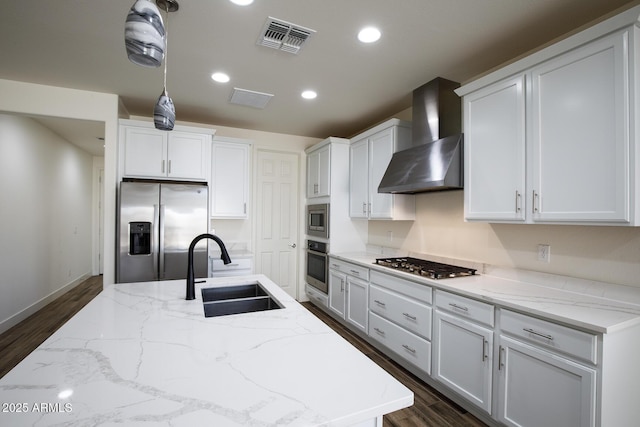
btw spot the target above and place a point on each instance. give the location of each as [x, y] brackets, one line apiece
[380, 303]
[406, 347]
[356, 272]
[408, 316]
[459, 307]
[379, 331]
[336, 266]
[545, 336]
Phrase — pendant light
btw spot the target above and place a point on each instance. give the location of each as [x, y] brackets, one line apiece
[164, 112]
[144, 35]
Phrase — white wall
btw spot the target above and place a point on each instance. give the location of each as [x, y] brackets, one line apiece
[34, 99]
[601, 253]
[47, 187]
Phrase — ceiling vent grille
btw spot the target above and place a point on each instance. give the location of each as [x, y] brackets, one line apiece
[250, 98]
[282, 35]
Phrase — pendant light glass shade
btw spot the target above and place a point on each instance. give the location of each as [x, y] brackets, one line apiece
[144, 34]
[164, 113]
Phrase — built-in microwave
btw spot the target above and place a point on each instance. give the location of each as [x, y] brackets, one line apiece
[318, 220]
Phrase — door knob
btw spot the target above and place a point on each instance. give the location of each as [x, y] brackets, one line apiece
[293, 245]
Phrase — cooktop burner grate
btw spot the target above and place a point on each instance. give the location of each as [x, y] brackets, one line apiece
[421, 267]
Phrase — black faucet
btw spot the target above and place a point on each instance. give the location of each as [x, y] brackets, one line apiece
[191, 288]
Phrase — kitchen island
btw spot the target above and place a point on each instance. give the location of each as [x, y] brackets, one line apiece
[140, 354]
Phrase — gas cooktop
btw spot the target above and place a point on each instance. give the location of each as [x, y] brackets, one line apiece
[421, 267]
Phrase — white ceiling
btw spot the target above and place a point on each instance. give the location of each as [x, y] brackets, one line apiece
[80, 44]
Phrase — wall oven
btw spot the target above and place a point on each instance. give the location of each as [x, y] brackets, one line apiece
[317, 265]
[318, 220]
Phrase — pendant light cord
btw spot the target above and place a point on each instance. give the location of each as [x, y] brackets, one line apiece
[166, 46]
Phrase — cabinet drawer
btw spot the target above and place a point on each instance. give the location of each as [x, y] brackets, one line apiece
[239, 266]
[410, 347]
[408, 313]
[349, 268]
[466, 307]
[403, 286]
[317, 297]
[550, 335]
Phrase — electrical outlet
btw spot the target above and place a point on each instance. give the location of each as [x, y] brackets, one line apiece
[544, 253]
[390, 236]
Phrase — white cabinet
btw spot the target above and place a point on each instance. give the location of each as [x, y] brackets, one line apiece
[554, 141]
[463, 347]
[349, 293]
[400, 318]
[337, 292]
[230, 166]
[494, 154]
[319, 172]
[146, 152]
[369, 157]
[241, 265]
[536, 385]
[580, 134]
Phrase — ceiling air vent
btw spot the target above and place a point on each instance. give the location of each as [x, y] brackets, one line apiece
[282, 35]
[250, 98]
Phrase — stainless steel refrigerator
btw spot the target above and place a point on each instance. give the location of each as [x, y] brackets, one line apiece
[157, 221]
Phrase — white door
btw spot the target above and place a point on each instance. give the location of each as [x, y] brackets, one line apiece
[277, 218]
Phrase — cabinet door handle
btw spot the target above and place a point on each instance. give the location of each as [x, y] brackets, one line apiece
[500, 358]
[540, 334]
[379, 331]
[169, 169]
[518, 200]
[364, 208]
[535, 201]
[379, 303]
[406, 347]
[408, 316]
[369, 209]
[341, 285]
[484, 349]
[459, 307]
[245, 208]
[163, 166]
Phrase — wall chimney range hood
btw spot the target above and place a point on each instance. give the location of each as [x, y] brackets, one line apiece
[435, 162]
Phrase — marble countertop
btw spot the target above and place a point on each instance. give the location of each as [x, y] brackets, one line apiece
[593, 306]
[140, 353]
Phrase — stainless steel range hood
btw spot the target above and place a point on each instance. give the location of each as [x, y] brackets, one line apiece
[435, 162]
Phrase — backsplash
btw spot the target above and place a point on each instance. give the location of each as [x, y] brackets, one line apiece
[598, 253]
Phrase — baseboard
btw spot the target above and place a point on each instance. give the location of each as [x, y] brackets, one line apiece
[10, 322]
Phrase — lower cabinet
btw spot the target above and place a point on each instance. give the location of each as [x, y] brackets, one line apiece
[513, 369]
[400, 318]
[349, 293]
[537, 386]
[463, 348]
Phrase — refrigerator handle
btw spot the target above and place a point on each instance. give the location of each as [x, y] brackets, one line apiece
[161, 242]
[156, 238]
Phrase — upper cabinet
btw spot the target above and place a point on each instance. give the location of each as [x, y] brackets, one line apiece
[553, 138]
[369, 157]
[230, 178]
[182, 154]
[319, 172]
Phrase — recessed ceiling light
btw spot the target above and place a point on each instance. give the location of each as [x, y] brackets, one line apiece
[242, 2]
[220, 77]
[369, 35]
[309, 94]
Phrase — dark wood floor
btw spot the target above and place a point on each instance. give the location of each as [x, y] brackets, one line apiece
[17, 342]
[430, 407]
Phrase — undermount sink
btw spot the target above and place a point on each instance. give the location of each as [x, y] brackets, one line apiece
[236, 299]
